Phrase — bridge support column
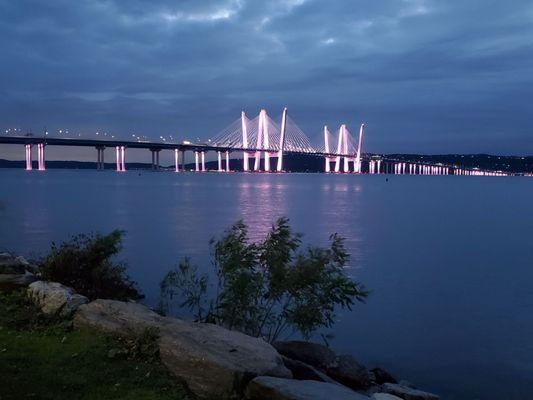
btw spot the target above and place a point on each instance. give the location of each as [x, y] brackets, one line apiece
[100, 158]
[227, 161]
[155, 159]
[219, 154]
[121, 158]
[267, 161]
[196, 162]
[177, 160]
[40, 157]
[203, 161]
[28, 157]
[378, 167]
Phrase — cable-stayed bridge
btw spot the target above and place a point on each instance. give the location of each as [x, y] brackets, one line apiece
[261, 143]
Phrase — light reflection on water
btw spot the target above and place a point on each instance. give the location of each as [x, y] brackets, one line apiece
[448, 259]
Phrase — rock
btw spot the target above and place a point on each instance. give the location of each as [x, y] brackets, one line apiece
[269, 388]
[384, 396]
[14, 281]
[382, 376]
[313, 354]
[350, 373]
[214, 362]
[15, 272]
[306, 372]
[403, 382]
[10, 264]
[407, 393]
[55, 298]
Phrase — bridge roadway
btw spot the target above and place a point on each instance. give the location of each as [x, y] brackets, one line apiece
[154, 146]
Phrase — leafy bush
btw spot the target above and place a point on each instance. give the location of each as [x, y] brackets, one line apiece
[19, 312]
[269, 288]
[84, 263]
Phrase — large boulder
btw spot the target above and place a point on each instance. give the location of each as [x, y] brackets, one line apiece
[350, 373]
[407, 393]
[269, 388]
[55, 298]
[313, 354]
[214, 362]
[15, 272]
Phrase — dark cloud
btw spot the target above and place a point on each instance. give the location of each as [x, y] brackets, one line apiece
[426, 75]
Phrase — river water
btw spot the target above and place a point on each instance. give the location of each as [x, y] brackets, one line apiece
[449, 260]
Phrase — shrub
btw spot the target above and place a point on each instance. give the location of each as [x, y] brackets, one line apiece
[269, 288]
[84, 263]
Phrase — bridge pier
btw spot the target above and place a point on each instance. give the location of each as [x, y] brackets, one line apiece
[227, 161]
[155, 159]
[176, 160]
[196, 162]
[40, 157]
[219, 154]
[203, 161]
[100, 165]
[121, 158]
[28, 157]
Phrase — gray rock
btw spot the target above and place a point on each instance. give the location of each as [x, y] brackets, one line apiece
[15, 272]
[305, 372]
[313, 354]
[403, 382]
[384, 396]
[268, 388]
[407, 393]
[350, 373]
[14, 281]
[55, 298]
[214, 362]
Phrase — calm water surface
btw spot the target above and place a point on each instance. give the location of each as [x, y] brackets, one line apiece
[449, 260]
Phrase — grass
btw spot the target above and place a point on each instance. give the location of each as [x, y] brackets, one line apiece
[45, 358]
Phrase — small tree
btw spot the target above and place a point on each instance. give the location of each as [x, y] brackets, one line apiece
[85, 264]
[269, 288]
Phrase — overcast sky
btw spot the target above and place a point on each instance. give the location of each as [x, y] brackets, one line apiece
[425, 75]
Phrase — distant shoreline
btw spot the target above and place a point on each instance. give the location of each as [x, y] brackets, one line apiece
[308, 163]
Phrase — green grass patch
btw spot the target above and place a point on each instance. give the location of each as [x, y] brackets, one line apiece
[45, 358]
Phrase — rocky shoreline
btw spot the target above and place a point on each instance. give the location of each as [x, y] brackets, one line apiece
[213, 362]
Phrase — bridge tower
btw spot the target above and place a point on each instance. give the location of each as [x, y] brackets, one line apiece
[326, 149]
[282, 140]
[246, 165]
[339, 149]
[357, 166]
